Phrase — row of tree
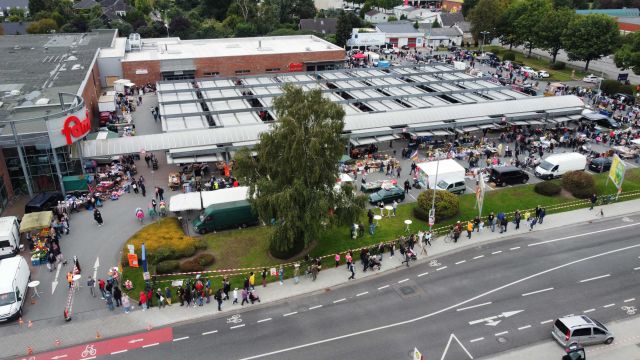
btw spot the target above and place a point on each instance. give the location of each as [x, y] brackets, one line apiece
[545, 25]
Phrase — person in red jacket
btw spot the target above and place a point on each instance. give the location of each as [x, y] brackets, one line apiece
[143, 301]
[101, 285]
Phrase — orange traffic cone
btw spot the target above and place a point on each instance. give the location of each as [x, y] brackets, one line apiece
[98, 336]
[30, 324]
[29, 350]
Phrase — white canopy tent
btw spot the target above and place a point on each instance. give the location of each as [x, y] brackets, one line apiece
[224, 196]
[184, 202]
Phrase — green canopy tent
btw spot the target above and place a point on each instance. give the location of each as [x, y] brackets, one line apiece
[36, 221]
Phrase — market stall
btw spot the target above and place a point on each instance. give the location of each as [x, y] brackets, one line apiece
[37, 226]
[184, 202]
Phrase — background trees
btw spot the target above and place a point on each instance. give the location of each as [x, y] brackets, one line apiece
[628, 55]
[590, 37]
[486, 17]
[550, 30]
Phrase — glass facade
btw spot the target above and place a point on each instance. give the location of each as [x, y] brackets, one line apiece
[41, 168]
[4, 197]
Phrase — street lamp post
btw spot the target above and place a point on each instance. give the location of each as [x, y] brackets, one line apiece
[484, 35]
[432, 213]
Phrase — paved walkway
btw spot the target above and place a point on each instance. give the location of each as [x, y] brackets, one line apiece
[84, 327]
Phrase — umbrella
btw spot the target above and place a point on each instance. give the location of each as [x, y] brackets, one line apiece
[359, 56]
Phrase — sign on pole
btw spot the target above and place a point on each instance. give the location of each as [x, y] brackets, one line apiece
[432, 217]
[480, 188]
[616, 173]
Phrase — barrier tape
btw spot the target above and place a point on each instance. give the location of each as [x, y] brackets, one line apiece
[441, 230]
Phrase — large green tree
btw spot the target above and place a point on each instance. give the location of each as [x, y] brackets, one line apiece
[534, 11]
[628, 55]
[550, 30]
[590, 37]
[292, 178]
[486, 17]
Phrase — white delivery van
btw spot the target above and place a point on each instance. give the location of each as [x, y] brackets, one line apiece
[14, 277]
[450, 175]
[9, 236]
[557, 165]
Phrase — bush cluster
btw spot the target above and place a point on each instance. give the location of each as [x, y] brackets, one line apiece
[509, 55]
[447, 205]
[579, 184]
[547, 188]
[558, 65]
[167, 267]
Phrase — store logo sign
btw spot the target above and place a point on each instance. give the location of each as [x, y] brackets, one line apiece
[74, 128]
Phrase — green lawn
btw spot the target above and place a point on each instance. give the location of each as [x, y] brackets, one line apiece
[248, 248]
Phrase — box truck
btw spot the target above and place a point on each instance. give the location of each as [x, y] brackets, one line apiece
[556, 165]
[225, 209]
[9, 236]
[14, 278]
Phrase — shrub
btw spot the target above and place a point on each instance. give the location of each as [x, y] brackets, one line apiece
[612, 87]
[558, 65]
[164, 240]
[547, 188]
[190, 266]
[447, 205]
[509, 55]
[579, 184]
[167, 267]
[204, 259]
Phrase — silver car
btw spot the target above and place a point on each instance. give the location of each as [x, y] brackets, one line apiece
[582, 330]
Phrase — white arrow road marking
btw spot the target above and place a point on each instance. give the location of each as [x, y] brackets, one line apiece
[54, 283]
[59, 357]
[452, 337]
[135, 341]
[491, 320]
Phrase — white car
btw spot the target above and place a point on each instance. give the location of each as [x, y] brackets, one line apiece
[528, 70]
[591, 79]
[543, 74]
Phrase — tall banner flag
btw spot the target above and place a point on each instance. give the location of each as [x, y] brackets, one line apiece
[616, 173]
[480, 188]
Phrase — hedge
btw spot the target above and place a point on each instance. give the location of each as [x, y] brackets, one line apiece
[558, 65]
[547, 188]
[167, 267]
[509, 55]
[447, 205]
[579, 184]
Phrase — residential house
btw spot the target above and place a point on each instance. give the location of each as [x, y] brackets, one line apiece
[465, 27]
[376, 17]
[114, 9]
[422, 15]
[7, 5]
[445, 36]
[402, 11]
[401, 33]
[319, 25]
[85, 5]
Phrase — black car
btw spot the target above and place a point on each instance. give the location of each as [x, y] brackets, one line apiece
[43, 202]
[508, 175]
[600, 164]
[387, 195]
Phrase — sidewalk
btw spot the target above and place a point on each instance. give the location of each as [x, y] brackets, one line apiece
[112, 324]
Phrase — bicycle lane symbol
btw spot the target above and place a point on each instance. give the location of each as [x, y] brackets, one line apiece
[235, 319]
[434, 263]
[630, 310]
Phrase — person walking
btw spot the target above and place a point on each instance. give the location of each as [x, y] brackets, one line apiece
[101, 286]
[142, 302]
[97, 216]
[235, 296]
[533, 223]
[337, 258]
[245, 297]
[516, 219]
[218, 298]
[226, 287]
[167, 295]
[476, 223]
[126, 303]
[314, 271]
[252, 281]
[117, 296]
[91, 284]
[353, 271]
[503, 224]
[264, 277]
[407, 258]
[160, 298]
[395, 207]
[109, 299]
[296, 273]
[543, 213]
[143, 189]
[469, 229]
[594, 199]
[134, 186]
[281, 275]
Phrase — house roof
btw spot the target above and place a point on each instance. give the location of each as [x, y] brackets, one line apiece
[372, 13]
[397, 27]
[318, 25]
[446, 31]
[14, 3]
[450, 19]
[111, 6]
[465, 26]
[85, 4]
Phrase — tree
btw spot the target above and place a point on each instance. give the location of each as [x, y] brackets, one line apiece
[215, 8]
[365, 9]
[292, 181]
[96, 23]
[434, 25]
[528, 23]
[590, 37]
[181, 26]
[343, 29]
[486, 17]
[628, 56]
[551, 29]
[124, 28]
[416, 25]
[467, 5]
[36, 6]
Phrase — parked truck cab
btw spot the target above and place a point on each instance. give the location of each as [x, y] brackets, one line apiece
[225, 216]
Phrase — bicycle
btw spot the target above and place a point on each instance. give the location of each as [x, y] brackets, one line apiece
[606, 199]
[448, 237]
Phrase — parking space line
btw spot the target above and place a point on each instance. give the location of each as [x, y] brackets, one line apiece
[289, 314]
[475, 340]
[210, 332]
[629, 300]
[608, 305]
[403, 280]
[181, 338]
[383, 287]
[589, 310]
[461, 262]
[546, 321]
[423, 274]
[524, 327]
[501, 333]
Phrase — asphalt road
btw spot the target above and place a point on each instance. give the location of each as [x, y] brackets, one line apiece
[526, 281]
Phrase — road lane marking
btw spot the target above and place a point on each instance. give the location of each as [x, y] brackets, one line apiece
[524, 327]
[237, 326]
[501, 333]
[546, 321]
[473, 306]
[181, 338]
[339, 300]
[441, 268]
[537, 292]
[119, 352]
[475, 340]
[362, 293]
[149, 345]
[461, 262]
[496, 252]
[403, 280]
[595, 278]
[315, 307]
[629, 300]
[442, 310]
[589, 310]
[583, 234]
[289, 314]
[478, 257]
[568, 315]
[638, 268]
[423, 274]
[383, 287]
[609, 305]
[210, 332]
[515, 248]
[263, 320]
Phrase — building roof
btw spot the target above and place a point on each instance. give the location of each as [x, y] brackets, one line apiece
[450, 19]
[15, 28]
[4, 4]
[372, 12]
[465, 26]
[320, 25]
[397, 27]
[629, 12]
[175, 48]
[85, 4]
[110, 7]
[625, 20]
[446, 31]
[37, 67]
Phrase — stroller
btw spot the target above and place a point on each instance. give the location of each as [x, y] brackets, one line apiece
[140, 215]
[154, 163]
[253, 297]
[412, 254]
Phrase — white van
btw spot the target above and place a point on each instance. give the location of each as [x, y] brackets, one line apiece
[557, 165]
[9, 236]
[14, 277]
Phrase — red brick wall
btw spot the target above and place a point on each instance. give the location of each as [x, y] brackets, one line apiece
[227, 66]
[91, 94]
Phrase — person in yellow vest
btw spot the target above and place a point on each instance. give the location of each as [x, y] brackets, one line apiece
[469, 228]
[252, 280]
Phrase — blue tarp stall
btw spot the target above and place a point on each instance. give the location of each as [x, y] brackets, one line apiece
[384, 64]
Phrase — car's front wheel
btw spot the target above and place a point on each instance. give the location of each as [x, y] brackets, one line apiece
[608, 341]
